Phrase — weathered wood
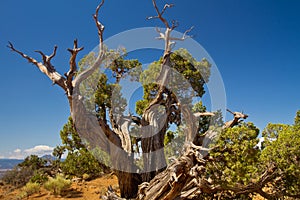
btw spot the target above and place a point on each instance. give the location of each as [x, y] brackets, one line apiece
[236, 120]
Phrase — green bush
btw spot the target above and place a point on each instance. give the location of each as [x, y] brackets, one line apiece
[79, 160]
[29, 189]
[22, 195]
[39, 177]
[57, 185]
[79, 163]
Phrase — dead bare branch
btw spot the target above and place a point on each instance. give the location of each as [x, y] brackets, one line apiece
[160, 13]
[165, 8]
[184, 36]
[47, 59]
[101, 52]
[175, 24]
[54, 52]
[99, 25]
[198, 114]
[236, 120]
[29, 59]
[45, 67]
[73, 67]
[229, 111]
[161, 35]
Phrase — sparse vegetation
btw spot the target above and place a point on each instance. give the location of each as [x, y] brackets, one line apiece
[29, 189]
[57, 185]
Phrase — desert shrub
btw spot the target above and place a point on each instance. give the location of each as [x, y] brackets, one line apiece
[29, 189]
[22, 195]
[57, 185]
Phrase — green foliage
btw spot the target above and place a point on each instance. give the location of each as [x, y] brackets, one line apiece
[271, 133]
[79, 163]
[57, 185]
[235, 159]
[204, 121]
[29, 189]
[39, 177]
[236, 156]
[33, 162]
[173, 142]
[150, 91]
[102, 157]
[188, 78]
[196, 72]
[103, 96]
[284, 152]
[79, 160]
[120, 66]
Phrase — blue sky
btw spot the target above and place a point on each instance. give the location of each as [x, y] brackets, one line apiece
[254, 43]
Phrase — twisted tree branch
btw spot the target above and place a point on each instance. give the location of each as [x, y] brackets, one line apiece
[46, 67]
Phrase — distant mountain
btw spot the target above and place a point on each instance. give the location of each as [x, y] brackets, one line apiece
[49, 157]
[9, 163]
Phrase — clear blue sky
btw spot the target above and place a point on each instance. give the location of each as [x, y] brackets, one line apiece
[255, 44]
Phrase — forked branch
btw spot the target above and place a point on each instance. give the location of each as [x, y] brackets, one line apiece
[46, 67]
[73, 67]
[184, 36]
[101, 52]
[47, 59]
[169, 41]
[160, 13]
